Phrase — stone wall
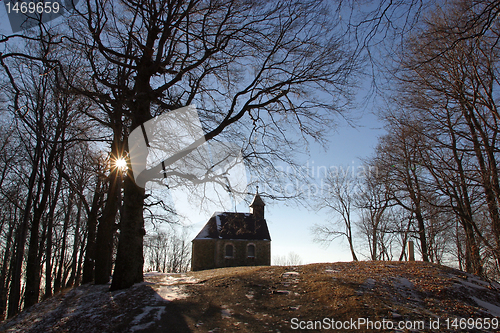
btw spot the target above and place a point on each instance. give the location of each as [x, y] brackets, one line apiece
[203, 254]
[240, 258]
[211, 253]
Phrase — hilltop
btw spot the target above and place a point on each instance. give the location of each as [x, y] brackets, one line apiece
[275, 299]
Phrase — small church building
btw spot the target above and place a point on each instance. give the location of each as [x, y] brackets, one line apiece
[233, 239]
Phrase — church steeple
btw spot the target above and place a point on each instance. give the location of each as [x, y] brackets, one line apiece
[257, 206]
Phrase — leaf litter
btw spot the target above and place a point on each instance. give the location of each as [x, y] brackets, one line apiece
[265, 299]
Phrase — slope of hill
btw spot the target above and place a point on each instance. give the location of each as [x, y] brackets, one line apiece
[383, 296]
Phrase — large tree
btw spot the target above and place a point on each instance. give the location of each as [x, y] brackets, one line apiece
[273, 68]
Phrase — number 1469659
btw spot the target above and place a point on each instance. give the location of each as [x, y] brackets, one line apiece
[472, 323]
[41, 7]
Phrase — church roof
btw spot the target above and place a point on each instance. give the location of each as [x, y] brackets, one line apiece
[234, 226]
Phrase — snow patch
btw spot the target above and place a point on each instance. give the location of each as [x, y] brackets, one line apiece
[170, 287]
[176, 278]
[491, 308]
[369, 283]
[406, 289]
[402, 282]
[146, 311]
[170, 293]
[218, 223]
[250, 294]
[470, 285]
[225, 312]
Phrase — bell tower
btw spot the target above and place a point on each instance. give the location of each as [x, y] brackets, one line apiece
[257, 206]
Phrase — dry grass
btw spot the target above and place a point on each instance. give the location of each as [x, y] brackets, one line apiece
[265, 299]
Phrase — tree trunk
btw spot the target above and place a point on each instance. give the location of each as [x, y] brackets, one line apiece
[375, 242]
[421, 235]
[403, 254]
[50, 227]
[488, 171]
[351, 243]
[129, 258]
[88, 265]
[15, 286]
[78, 277]
[32, 292]
[472, 256]
[48, 259]
[58, 283]
[3, 276]
[107, 225]
[76, 246]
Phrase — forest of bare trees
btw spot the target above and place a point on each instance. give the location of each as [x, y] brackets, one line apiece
[263, 76]
[167, 251]
[434, 177]
[268, 77]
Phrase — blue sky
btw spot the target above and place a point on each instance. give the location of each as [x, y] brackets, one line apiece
[290, 225]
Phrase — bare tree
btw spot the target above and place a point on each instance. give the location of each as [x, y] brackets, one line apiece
[373, 201]
[398, 154]
[45, 123]
[92, 219]
[338, 197]
[451, 80]
[291, 259]
[167, 252]
[258, 64]
[45, 128]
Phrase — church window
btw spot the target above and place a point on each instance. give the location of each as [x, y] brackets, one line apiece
[229, 251]
[251, 251]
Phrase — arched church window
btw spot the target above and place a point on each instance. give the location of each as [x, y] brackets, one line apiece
[251, 251]
[229, 250]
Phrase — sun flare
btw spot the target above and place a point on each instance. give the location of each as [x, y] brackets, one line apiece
[121, 163]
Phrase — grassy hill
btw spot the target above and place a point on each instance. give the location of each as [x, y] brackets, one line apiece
[357, 296]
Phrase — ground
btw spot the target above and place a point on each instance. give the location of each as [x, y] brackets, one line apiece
[278, 299]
